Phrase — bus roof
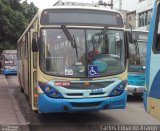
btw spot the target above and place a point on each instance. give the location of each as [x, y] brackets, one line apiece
[79, 7]
[136, 30]
[140, 31]
[9, 52]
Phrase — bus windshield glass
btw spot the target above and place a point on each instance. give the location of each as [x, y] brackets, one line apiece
[137, 56]
[105, 50]
[137, 52]
[10, 59]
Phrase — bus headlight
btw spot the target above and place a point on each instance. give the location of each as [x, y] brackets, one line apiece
[50, 91]
[119, 89]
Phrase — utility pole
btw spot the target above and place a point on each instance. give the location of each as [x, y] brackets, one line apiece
[120, 4]
[111, 4]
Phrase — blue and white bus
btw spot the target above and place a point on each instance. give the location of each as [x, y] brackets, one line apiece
[9, 62]
[137, 60]
[152, 95]
[74, 59]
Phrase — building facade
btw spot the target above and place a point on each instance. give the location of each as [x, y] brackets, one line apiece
[143, 14]
[124, 14]
[69, 3]
[131, 18]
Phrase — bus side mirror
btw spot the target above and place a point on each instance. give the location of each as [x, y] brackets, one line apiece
[35, 42]
[130, 33]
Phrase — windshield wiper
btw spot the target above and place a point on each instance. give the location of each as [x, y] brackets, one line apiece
[136, 47]
[96, 44]
[70, 39]
[102, 34]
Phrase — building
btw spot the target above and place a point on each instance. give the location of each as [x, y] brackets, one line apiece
[99, 4]
[68, 3]
[143, 14]
[131, 18]
[124, 14]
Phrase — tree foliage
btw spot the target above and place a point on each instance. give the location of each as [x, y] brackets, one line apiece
[14, 18]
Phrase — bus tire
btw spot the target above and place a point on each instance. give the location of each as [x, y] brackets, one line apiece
[36, 111]
[39, 112]
[139, 95]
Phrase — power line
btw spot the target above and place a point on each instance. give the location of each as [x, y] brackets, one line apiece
[106, 3]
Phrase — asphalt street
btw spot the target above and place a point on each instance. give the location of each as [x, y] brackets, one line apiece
[134, 114]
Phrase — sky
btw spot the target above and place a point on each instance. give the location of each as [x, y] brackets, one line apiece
[126, 4]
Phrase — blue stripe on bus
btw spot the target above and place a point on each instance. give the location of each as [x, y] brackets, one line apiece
[9, 72]
[48, 105]
[155, 87]
[136, 79]
[145, 100]
[149, 44]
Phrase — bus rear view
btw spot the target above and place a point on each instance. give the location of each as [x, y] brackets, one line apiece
[79, 60]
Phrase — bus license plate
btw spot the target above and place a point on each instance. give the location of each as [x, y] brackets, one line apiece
[96, 91]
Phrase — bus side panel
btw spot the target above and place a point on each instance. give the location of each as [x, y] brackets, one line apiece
[21, 75]
[148, 56]
[149, 46]
[153, 100]
[153, 107]
[26, 76]
[153, 69]
[25, 65]
[33, 74]
[29, 68]
[19, 72]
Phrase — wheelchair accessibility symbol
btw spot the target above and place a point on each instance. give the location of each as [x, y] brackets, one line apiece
[93, 71]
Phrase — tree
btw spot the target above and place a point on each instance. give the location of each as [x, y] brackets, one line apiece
[29, 10]
[14, 18]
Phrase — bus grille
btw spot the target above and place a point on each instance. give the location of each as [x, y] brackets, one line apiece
[92, 85]
[89, 104]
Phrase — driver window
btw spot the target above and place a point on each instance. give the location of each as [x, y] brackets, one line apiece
[156, 45]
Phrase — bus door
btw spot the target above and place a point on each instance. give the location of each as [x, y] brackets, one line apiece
[21, 65]
[33, 73]
[152, 103]
[25, 66]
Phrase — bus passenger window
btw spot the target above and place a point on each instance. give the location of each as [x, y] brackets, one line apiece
[158, 43]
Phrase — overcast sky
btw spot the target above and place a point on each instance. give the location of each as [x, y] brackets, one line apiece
[126, 4]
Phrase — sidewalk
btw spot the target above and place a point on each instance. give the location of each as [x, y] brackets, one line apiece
[10, 113]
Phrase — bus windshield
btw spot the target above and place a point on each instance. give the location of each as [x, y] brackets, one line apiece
[59, 57]
[10, 59]
[137, 56]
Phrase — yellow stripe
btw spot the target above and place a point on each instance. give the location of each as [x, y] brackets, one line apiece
[153, 107]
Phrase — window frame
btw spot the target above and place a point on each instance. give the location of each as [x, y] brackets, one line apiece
[157, 25]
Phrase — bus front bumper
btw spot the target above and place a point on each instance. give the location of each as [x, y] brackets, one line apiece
[132, 89]
[9, 71]
[48, 105]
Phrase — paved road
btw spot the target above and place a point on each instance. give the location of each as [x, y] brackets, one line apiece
[134, 114]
